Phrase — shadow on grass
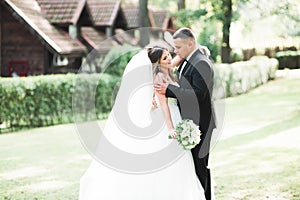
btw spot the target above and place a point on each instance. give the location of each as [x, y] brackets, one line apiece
[243, 139]
[244, 169]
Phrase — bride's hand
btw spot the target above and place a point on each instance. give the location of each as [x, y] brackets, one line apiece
[154, 104]
[204, 50]
[173, 134]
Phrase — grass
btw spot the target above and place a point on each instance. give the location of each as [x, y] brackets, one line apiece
[43, 163]
[47, 163]
[251, 167]
[257, 164]
[270, 103]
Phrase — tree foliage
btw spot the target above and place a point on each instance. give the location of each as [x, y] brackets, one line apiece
[224, 11]
[288, 11]
[186, 18]
[208, 37]
[214, 11]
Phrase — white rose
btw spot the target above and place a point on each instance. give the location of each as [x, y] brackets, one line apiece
[191, 140]
[183, 134]
[189, 146]
[184, 142]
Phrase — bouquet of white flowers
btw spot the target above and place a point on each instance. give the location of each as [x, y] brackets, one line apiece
[187, 134]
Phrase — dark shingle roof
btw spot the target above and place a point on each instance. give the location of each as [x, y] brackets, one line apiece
[29, 12]
[160, 18]
[96, 39]
[125, 37]
[103, 12]
[131, 14]
[62, 11]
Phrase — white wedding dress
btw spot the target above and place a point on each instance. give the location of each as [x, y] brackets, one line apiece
[175, 182]
[168, 173]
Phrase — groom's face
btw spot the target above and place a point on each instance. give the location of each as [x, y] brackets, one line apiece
[183, 47]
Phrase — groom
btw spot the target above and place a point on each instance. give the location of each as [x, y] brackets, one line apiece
[194, 98]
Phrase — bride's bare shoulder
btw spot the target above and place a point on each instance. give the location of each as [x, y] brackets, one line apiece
[159, 78]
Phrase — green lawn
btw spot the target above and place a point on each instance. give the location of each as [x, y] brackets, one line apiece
[44, 163]
[262, 163]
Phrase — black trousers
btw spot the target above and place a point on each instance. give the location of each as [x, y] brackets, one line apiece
[202, 171]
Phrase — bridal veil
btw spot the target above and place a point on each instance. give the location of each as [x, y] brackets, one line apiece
[130, 141]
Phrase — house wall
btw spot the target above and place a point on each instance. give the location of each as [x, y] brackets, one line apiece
[19, 44]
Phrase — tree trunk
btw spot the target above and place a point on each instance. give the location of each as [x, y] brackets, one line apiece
[0, 40]
[181, 4]
[144, 23]
[226, 50]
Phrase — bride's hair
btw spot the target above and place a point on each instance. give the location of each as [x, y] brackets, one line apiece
[154, 54]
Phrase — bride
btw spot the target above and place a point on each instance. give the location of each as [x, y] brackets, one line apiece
[134, 159]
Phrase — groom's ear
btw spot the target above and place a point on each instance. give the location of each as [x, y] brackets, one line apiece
[190, 43]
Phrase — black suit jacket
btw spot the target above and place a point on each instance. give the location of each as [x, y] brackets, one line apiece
[194, 96]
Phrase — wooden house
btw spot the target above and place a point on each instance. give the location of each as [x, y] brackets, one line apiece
[159, 20]
[52, 36]
[30, 44]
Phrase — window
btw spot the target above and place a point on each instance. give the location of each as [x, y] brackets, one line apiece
[60, 60]
[18, 68]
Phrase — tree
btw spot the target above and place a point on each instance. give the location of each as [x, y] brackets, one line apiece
[181, 4]
[185, 18]
[227, 18]
[210, 11]
[223, 12]
[144, 23]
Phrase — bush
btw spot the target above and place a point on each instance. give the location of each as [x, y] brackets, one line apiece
[240, 77]
[117, 59]
[236, 55]
[288, 59]
[209, 37]
[47, 100]
[54, 99]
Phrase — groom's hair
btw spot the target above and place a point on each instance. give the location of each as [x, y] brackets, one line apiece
[184, 33]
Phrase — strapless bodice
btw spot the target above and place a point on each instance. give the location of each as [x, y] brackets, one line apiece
[172, 102]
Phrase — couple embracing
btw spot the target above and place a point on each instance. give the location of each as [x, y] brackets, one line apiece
[186, 176]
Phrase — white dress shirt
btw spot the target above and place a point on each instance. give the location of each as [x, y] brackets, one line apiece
[185, 62]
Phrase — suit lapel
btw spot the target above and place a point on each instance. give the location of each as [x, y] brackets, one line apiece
[185, 68]
[181, 64]
[195, 58]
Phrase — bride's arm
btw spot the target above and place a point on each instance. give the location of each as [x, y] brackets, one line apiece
[204, 50]
[163, 102]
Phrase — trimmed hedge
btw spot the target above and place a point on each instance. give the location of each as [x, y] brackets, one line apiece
[47, 100]
[54, 99]
[288, 59]
[240, 77]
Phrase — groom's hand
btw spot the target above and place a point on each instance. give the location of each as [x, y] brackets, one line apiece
[161, 88]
